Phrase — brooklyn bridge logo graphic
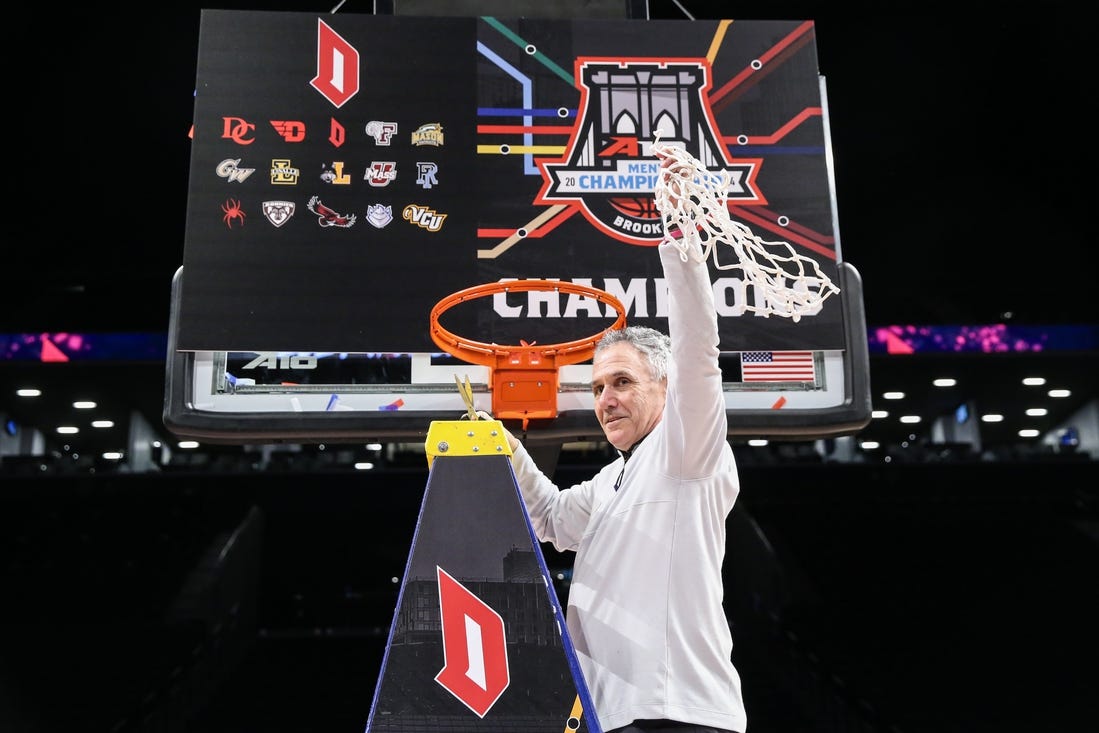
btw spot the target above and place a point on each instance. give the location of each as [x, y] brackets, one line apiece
[609, 172]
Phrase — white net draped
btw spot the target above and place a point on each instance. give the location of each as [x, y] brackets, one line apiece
[693, 204]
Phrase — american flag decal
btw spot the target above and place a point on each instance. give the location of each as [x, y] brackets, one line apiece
[777, 366]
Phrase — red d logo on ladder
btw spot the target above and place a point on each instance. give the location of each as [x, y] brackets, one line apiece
[475, 659]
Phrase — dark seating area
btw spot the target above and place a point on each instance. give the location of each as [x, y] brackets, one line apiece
[899, 599]
[958, 599]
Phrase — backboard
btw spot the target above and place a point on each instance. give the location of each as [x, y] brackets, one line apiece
[338, 191]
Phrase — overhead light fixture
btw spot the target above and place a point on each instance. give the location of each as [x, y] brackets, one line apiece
[893, 395]
[945, 382]
[84, 405]
[1037, 412]
[879, 414]
[909, 419]
[29, 392]
[68, 430]
[1034, 381]
[992, 417]
[1058, 393]
[1029, 433]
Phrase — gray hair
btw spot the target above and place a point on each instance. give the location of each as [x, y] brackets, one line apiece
[655, 346]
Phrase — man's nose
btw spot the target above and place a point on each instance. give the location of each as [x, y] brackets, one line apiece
[605, 398]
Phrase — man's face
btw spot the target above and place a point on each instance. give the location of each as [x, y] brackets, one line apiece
[628, 401]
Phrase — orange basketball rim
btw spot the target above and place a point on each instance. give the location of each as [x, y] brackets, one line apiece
[524, 378]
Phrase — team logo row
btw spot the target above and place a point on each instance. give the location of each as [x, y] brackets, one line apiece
[379, 174]
[245, 132]
[379, 216]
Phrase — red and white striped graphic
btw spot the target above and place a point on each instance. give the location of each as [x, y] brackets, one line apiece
[777, 366]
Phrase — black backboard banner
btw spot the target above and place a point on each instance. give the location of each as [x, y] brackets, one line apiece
[350, 171]
[478, 641]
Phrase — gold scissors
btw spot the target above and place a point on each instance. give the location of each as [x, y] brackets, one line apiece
[466, 390]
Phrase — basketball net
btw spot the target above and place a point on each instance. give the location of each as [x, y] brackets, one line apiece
[693, 203]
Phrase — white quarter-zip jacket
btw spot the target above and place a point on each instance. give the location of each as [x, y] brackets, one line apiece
[645, 606]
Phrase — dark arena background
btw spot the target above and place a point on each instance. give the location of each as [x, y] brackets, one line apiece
[926, 567]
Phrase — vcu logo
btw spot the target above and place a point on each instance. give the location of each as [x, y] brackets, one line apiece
[423, 217]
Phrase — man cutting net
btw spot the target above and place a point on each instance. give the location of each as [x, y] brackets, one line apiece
[645, 605]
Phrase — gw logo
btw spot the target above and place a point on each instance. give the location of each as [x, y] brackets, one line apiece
[285, 361]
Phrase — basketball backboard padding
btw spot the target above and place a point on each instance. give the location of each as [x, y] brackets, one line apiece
[198, 406]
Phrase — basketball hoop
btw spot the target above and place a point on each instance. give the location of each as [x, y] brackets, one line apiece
[524, 378]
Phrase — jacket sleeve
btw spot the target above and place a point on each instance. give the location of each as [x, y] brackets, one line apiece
[557, 516]
[697, 425]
